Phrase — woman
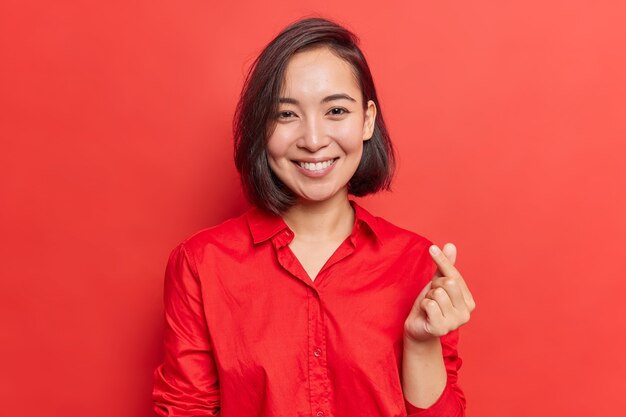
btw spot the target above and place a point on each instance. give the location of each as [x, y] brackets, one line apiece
[307, 305]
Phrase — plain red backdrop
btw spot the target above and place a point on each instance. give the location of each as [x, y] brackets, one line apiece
[510, 123]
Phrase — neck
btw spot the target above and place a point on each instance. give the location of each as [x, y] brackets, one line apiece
[332, 219]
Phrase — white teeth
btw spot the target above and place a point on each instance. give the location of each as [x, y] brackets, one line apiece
[316, 166]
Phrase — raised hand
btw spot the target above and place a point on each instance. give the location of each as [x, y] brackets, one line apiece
[444, 304]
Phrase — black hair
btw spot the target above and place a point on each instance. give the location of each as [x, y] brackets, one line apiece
[254, 122]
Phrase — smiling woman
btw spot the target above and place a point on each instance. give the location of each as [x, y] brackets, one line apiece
[270, 84]
[317, 141]
[307, 305]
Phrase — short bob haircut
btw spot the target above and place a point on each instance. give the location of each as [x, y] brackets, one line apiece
[254, 116]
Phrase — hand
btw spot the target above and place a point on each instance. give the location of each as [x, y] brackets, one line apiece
[444, 304]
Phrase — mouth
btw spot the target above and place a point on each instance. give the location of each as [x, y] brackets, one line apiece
[316, 166]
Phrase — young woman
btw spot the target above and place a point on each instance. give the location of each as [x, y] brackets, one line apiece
[308, 305]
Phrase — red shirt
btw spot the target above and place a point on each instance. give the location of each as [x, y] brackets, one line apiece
[249, 334]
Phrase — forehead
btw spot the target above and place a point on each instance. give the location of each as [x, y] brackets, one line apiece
[319, 71]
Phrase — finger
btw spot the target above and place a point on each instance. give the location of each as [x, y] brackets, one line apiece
[450, 252]
[444, 266]
[467, 295]
[417, 306]
[453, 289]
[449, 249]
[469, 299]
[457, 290]
[435, 322]
[444, 302]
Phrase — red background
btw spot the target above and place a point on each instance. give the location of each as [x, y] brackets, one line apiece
[510, 123]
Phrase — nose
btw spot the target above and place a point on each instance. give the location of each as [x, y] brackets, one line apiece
[314, 137]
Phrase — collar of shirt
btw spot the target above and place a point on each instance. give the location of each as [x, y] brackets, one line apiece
[264, 226]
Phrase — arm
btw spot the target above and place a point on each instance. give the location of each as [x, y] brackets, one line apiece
[430, 360]
[430, 375]
[186, 383]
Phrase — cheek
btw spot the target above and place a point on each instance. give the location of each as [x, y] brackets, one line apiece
[350, 136]
[277, 144]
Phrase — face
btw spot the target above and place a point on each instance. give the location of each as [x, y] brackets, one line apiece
[321, 126]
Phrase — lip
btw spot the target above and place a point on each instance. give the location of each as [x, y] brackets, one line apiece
[315, 160]
[319, 173]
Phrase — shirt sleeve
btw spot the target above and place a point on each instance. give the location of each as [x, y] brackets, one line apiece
[186, 383]
[451, 403]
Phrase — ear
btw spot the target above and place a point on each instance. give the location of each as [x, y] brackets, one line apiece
[369, 120]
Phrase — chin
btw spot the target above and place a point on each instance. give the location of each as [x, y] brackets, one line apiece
[320, 196]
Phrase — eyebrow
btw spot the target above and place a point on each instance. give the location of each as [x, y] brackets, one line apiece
[332, 97]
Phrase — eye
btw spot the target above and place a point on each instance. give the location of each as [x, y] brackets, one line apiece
[284, 115]
[337, 111]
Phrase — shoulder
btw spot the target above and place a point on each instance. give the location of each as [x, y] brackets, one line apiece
[390, 234]
[227, 236]
[401, 246]
[402, 241]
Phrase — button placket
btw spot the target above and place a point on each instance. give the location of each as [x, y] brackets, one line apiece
[318, 374]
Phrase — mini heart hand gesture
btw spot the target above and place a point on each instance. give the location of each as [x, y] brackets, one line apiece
[444, 304]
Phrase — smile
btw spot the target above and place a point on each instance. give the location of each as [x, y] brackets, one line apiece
[316, 166]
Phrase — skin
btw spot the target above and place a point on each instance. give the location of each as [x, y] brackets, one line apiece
[444, 305]
[322, 118]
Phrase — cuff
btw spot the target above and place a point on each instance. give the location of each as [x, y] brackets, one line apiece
[447, 405]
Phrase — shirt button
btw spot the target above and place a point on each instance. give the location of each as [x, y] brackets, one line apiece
[319, 414]
[318, 352]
